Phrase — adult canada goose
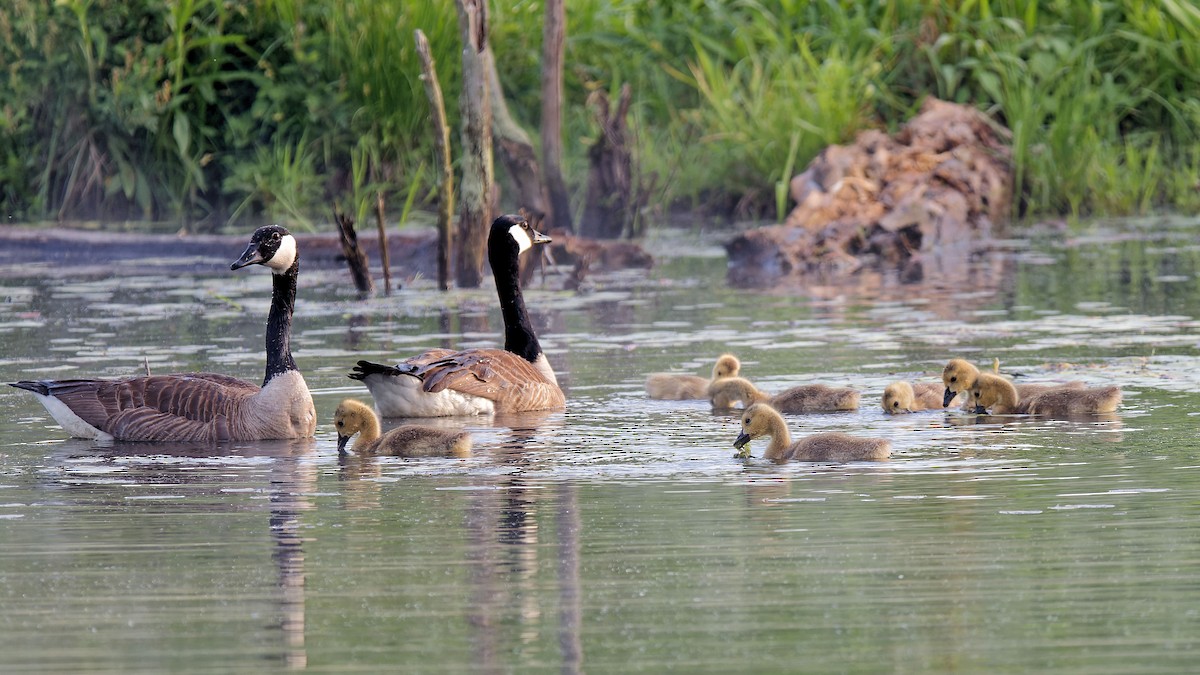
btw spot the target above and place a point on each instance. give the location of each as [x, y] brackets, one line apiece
[761, 419]
[410, 440]
[959, 376]
[905, 397]
[808, 398]
[203, 407]
[674, 387]
[444, 382]
[994, 394]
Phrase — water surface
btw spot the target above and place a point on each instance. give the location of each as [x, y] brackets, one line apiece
[622, 535]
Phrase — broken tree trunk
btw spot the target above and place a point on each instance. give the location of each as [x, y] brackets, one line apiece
[356, 258]
[477, 180]
[610, 203]
[441, 137]
[554, 34]
[514, 147]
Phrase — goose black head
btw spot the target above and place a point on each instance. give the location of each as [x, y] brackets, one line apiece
[271, 245]
[511, 235]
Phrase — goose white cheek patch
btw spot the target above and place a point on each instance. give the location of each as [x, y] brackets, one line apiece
[286, 255]
[524, 243]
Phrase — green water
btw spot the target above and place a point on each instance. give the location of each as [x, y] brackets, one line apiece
[621, 535]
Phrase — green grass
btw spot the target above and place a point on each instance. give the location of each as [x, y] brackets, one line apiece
[212, 113]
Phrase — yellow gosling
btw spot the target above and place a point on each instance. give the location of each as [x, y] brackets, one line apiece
[959, 376]
[673, 387]
[410, 440]
[905, 397]
[761, 419]
[808, 398]
[994, 394]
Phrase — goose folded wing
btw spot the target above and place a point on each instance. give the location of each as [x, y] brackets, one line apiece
[178, 407]
[501, 376]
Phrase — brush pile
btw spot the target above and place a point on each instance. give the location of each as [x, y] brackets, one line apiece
[942, 182]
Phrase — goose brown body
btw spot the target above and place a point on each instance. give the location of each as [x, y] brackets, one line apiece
[200, 407]
[808, 398]
[409, 440]
[761, 419]
[442, 382]
[673, 387]
[905, 397]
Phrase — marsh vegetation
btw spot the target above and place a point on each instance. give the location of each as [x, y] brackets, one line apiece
[209, 112]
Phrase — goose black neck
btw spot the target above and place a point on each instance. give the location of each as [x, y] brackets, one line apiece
[279, 323]
[519, 337]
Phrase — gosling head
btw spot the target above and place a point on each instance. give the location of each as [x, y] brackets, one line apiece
[727, 366]
[958, 375]
[898, 398]
[756, 422]
[270, 245]
[350, 418]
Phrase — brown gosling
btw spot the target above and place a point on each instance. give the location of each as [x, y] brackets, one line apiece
[808, 398]
[905, 397]
[997, 395]
[1073, 402]
[410, 440]
[673, 387]
[959, 376]
[761, 419]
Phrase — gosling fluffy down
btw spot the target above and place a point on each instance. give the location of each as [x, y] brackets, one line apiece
[994, 394]
[808, 398]
[673, 387]
[959, 376]
[761, 419]
[410, 440]
[905, 397]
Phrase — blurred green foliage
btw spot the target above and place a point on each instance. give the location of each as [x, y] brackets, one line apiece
[207, 111]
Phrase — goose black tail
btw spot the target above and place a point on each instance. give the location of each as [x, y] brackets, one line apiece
[365, 368]
[35, 387]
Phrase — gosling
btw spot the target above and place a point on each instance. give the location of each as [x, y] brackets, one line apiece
[808, 398]
[410, 440]
[761, 419]
[997, 395]
[673, 387]
[905, 397]
[959, 376]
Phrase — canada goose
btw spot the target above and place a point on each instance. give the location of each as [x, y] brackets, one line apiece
[808, 398]
[672, 387]
[761, 419]
[202, 407]
[992, 393]
[410, 440]
[443, 382]
[959, 376]
[906, 397]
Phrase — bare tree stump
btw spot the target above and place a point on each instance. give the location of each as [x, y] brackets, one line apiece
[514, 147]
[356, 258]
[441, 137]
[610, 203]
[477, 168]
[554, 33]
